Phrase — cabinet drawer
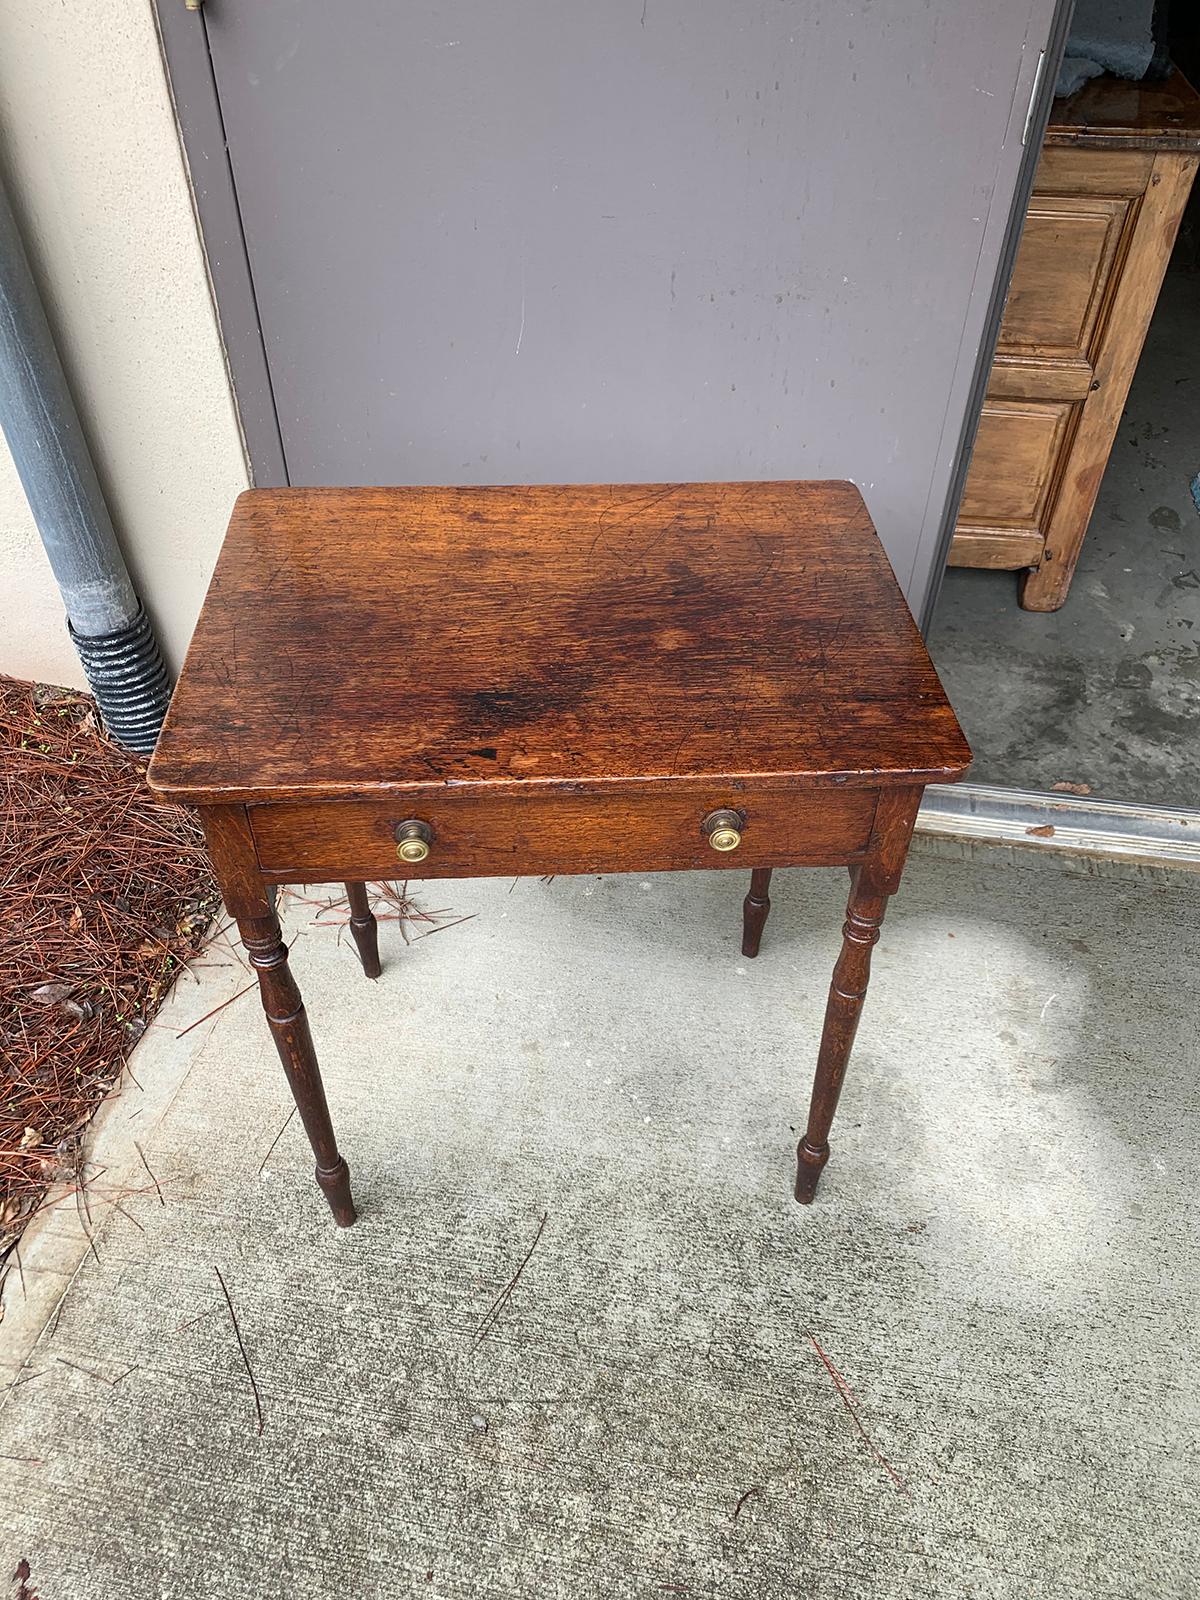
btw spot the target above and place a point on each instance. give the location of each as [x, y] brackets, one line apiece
[526, 833]
[1073, 171]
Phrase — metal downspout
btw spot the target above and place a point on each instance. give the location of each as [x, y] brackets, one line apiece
[108, 627]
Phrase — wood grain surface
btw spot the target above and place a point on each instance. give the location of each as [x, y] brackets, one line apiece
[1115, 113]
[364, 640]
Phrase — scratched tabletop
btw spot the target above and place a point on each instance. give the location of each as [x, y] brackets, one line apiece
[570, 636]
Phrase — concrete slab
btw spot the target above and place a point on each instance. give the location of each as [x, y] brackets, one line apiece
[1000, 1267]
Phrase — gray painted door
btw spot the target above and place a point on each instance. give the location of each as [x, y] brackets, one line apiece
[539, 240]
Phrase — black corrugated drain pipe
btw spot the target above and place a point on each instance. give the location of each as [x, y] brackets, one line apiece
[108, 627]
[129, 679]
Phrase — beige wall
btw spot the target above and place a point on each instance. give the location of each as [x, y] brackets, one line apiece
[91, 154]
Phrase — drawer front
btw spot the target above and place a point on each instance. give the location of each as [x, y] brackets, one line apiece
[1015, 464]
[1068, 170]
[1064, 269]
[498, 833]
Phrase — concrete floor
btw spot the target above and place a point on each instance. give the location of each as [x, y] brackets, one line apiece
[1001, 1264]
[1105, 691]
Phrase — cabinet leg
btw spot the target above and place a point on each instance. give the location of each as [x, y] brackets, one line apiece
[755, 909]
[364, 928]
[1046, 588]
[864, 913]
[289, 1025]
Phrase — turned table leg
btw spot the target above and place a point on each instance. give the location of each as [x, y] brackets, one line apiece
[251, 902]
[872, 881]
[755, 908]
[864, 913]
[364, 928]
[288, 1022]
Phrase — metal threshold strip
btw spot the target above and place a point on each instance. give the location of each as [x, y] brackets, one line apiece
[1078, 825]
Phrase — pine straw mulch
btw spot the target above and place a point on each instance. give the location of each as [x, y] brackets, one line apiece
[105, 894]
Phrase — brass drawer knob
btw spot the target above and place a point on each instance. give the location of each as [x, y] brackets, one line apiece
[724, 829]
[413, 839]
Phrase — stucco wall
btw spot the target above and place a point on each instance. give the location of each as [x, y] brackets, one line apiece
[92, 159]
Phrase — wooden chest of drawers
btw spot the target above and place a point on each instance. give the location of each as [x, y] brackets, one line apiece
[1114, 177]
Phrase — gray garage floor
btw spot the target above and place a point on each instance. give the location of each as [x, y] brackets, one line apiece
[1000, 1271]
[1105, 691]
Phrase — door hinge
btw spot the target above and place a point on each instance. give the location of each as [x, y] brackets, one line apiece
[1033, 91]
[193, 5]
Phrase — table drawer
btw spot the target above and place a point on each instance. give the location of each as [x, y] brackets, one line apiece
[498, 833]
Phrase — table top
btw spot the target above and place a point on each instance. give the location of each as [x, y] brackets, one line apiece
[361, 640]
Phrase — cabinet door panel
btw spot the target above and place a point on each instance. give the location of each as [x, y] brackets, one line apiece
[1065, 266]
[1014, 466]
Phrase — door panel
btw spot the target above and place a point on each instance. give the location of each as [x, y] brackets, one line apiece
[1015, 467]
[1017, 450]
[557, 240]
[1064, 266]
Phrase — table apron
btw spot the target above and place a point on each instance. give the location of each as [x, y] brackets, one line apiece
[499, 833]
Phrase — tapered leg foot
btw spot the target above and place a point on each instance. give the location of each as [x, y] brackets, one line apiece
[364, 928]
[755, 909]
[809, 1163]
[864, 913]
[335, 1185]
[288, 1023]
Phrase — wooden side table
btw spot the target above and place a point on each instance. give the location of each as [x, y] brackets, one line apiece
[628, 678]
